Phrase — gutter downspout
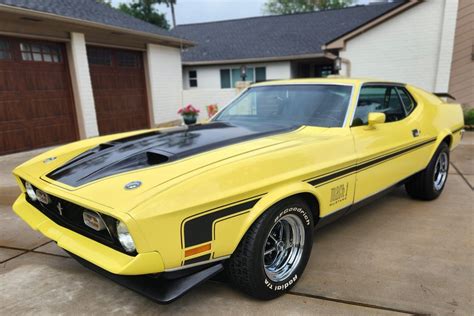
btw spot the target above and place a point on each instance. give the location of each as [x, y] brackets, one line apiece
[348, 65]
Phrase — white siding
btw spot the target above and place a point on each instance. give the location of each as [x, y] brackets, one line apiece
[209, 77]
[164, 81]
[446, 46]
[209, 89]
[281, 70]
[82, 86]
[414, 47]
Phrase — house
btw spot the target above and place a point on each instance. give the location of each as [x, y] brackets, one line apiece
[461, 83]
[71, 69]
[408, 41]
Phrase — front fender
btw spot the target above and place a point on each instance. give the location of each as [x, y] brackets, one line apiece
[232, 230]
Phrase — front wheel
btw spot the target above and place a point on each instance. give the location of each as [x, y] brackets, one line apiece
[272, 256]
[429, 183]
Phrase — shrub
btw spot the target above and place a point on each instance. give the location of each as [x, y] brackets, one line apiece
[469, 117]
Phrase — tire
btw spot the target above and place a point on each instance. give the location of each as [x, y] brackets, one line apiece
[428, 184]
[264, 276]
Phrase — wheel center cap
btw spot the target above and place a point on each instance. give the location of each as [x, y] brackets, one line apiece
[280, 246]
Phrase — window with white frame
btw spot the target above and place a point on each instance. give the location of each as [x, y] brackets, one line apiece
[193, 79]
[230, 76]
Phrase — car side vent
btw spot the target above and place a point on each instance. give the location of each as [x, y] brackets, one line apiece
[156, 157]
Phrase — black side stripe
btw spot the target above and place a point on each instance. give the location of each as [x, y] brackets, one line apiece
[457, 130]
[395, 154]
[198, 259]
[200, 229]
[331, 176]
[367, 164]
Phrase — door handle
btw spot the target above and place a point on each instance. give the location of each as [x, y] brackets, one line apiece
[416, 132]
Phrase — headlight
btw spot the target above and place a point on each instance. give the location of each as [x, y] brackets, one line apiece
[125, 238]
[30, 191]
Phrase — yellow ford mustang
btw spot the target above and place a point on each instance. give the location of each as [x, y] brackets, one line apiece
[162, 210]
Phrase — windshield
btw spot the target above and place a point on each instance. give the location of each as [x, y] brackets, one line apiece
[290, 105]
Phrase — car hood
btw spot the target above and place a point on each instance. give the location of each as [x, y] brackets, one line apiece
[98, 170]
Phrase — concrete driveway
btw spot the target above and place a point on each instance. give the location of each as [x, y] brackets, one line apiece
[396, 256]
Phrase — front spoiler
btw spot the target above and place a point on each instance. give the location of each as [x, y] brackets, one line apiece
[160, 290]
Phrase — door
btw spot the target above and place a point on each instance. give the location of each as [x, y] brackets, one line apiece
[118, 83]
[36, 102]
[391, 151]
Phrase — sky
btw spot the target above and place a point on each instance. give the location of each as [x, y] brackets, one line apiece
[196, 11]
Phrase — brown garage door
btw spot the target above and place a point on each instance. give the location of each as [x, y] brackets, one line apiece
[118, 81]
[36, 103]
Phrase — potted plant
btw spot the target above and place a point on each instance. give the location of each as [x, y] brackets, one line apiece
[189, 114]
[212, 110]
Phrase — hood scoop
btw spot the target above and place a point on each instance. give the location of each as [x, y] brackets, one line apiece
[156, 157]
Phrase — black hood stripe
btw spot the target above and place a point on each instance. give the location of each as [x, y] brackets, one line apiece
[157, 147]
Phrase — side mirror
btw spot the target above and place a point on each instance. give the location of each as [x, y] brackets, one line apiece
[375, 118]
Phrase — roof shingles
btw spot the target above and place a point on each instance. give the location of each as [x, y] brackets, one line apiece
[274, 36]
[88, 10]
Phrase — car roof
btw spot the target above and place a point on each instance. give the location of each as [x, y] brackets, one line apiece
[328, 80]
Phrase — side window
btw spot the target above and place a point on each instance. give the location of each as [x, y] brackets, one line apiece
[371, 99]
[225, 78]
[260, 74]
[99, 56]
[394, 110]
[382, 99]
[128, 59]
[230, 77]
[193, 79]
[408, 101]
[4, 50]
[39, 52]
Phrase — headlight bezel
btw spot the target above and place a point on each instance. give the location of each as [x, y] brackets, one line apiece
[125, 238]
[30, 191]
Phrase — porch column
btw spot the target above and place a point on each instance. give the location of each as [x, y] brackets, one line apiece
[164, 81]
[82, 86]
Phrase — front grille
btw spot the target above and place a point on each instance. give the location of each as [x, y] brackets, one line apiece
[69, 215]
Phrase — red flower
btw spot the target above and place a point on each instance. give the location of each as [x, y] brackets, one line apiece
[189, 110]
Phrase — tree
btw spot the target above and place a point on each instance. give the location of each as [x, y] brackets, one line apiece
[145, 10]
[106, 2]
[296, 6]
[171, 3]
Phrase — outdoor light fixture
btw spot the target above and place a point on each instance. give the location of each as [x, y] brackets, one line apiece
[338, 64]
[243, 72]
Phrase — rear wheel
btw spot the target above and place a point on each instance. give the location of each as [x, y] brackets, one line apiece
[429, 183]
[273, 254]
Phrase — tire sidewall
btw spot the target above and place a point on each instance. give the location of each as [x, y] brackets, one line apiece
[300, 209]
[442, 148]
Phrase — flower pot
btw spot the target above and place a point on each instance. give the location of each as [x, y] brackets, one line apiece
[189, 119]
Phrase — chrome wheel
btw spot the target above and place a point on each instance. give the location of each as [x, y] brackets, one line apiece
[440, 171]
[283, 248]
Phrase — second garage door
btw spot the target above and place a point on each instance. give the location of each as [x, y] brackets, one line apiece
[118, 82]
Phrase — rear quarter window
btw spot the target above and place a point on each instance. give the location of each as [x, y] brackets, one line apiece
[408, 101]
